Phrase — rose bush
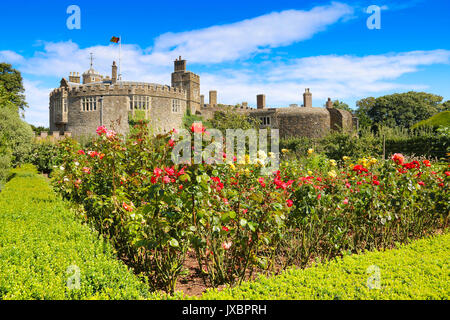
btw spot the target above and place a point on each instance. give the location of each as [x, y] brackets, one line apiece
[235, 219]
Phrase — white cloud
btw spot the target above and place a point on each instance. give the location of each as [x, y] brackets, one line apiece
[11, 56]
[37, 98]
[241, 39]
[338, 77]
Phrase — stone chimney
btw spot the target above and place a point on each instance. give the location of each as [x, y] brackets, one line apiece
[329, 104]
[74, 77]
[261, 101]
[213, 98]
[180, 65]
[114, 73]
[202, 101]
[307, 99]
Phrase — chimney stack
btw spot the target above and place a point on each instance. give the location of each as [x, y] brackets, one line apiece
[307, 99]
[202, 101]
[329, 104]
[213, 98]
[114, 73]
[74, 77]
[180, 65]
[261, 101]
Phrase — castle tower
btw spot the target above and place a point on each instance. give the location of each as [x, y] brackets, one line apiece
[188, 81]
[307, 99]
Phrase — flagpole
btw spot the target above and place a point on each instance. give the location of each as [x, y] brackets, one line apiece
[120, 58]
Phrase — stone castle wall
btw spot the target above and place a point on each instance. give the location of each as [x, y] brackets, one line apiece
[113, 107]
[166, 106]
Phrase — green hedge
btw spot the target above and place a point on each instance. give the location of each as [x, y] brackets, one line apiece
[40, 239]
[425, 143]
[416, 271]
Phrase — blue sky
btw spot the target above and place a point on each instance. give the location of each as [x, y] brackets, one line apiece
[240, 48]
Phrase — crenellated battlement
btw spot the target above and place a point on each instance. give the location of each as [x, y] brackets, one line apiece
[122, 88]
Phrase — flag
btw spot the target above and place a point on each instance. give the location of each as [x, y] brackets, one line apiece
[115, 39]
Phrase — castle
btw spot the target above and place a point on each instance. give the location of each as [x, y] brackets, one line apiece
[78, 108]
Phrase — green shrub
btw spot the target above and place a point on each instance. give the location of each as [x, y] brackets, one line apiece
[15, 140]
[416, 271]
[440, 119]
[43, 246]
[44, 155]
[419, 142]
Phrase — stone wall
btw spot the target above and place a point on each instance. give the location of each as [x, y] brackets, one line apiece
[296, 121]
[113, 105]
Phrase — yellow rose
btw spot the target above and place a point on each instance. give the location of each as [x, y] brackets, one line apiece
[332, 174]
[310, 151]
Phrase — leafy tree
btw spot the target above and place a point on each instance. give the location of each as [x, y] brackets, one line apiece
[446, 106]
[399, 109]
[342, 105]
[11, 80]
[230, 119]
[364, 105]
[15, 134]
[38, 130]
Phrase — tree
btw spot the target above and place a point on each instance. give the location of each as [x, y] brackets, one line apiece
[38, 130]
[364, 105]
[446, 106]
[11, 80]
[399, 109]
[231, 119]
[15, 134]
[342, 105]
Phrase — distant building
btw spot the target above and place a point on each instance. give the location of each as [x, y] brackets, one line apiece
[80, 107]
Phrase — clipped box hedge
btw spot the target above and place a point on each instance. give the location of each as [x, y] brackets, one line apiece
[420, 270]
[42, 246]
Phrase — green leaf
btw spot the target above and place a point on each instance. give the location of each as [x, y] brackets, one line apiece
[174, 243]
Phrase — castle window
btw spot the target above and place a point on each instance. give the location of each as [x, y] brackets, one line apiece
[176, 106]
[89, 104]
[265, 121]
[65, 104]
[139, 103]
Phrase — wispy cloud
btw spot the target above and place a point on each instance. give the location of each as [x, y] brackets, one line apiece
[241, 39]
[340, 77]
